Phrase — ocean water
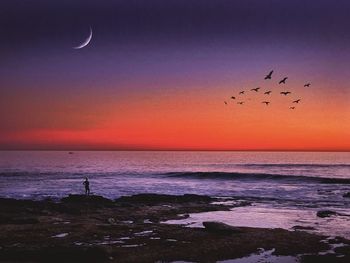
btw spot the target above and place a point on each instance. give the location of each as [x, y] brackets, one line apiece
[304, 182]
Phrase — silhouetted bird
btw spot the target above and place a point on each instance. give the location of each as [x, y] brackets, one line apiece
[268, 76]
[240, 102]
[307, 85]
[296, 101]
[266, 102]
[283, 80]
[285, 92]
[233, 97]
[292, 108]
[241, 92]
[225, 102]
[268, 92]
[256, 89]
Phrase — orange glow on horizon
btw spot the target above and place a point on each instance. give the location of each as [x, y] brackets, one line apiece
[187, 119]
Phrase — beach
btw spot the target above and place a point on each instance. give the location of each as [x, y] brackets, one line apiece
[174, 206]
[82, 228]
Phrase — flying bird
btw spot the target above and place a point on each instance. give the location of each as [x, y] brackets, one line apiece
[225, 102]
[292, 108]
[296, 101]
[285, 93]
[256, 89]
[233, 97]
[240, 102]
[268, 76]
[241, 92]
[307, 85]
[266, 102]
[283, 80]
[268, 92]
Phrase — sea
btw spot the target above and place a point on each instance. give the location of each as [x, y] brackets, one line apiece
[284, 189]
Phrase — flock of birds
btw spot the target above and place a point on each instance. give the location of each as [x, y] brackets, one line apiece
[268, 92]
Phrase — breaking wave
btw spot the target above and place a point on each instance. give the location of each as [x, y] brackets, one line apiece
[258, 176]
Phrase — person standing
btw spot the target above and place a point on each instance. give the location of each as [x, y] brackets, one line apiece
[86, 183]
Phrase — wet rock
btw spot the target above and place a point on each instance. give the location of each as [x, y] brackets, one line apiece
[184, 216]
[45, 212]
[219, 227]
[344, 250]
[60, 235]
[111, 220]
[326, 213]
[160, 198]
[57, 254]
[337, 240]
[244, 203]
[77, 204]
[30, 210]
[19, 203]
[91, 239]
[329, 258]
[346, 195]
[303, 228]
[87, 200]
[18, 220]
[66, 209]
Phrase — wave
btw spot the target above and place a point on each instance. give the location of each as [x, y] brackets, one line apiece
[62, 174]
[295, 165]
[258, 176]
[197, 175]
[280, 165]
[38, 174]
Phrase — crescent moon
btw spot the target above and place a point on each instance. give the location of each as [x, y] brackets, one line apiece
[86, 42]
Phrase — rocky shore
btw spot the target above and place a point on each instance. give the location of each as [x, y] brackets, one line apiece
[131, 229]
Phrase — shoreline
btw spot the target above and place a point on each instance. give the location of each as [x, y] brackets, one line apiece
[132, 229]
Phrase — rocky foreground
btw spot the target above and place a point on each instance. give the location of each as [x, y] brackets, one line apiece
[130, 229]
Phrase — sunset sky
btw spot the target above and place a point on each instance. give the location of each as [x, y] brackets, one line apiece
[156, 74]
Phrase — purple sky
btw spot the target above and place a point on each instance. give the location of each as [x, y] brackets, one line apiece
[162, 48]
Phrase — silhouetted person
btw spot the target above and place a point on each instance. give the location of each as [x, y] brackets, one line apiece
[86, 183]
[268, 76]
[283, 80]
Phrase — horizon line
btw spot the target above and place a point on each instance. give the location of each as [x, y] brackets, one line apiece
[172, 150]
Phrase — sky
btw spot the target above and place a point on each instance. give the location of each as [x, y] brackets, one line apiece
[156, 74]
